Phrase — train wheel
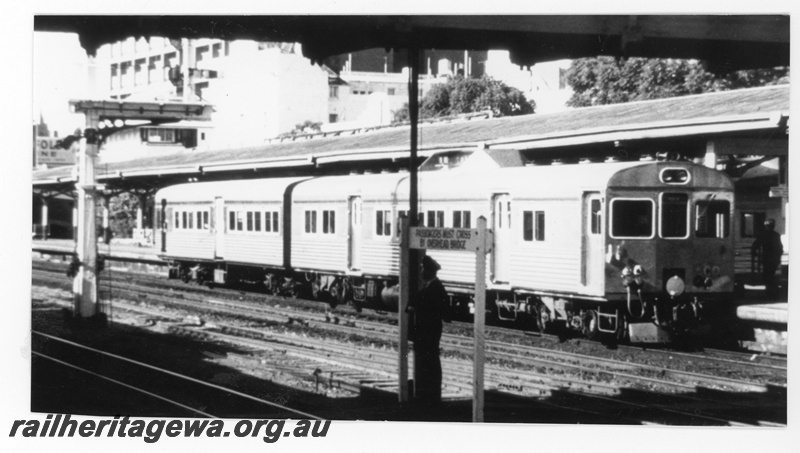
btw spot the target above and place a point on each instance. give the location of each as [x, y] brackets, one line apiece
[336, 291]
[590, 324]
[622, 328]
[542, 318]
[315, 289]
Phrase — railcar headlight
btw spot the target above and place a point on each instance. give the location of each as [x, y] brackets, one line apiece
[626, 271]
[675, 286]
[637, 270]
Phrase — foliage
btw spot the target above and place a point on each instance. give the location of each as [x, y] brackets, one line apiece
[306, 127]
[122, 214]
[607, 80]
[468, 95]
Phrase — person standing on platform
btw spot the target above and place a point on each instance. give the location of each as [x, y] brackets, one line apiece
[771, 247]
[429, 308]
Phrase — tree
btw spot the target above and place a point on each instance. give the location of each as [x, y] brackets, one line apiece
[608, 80]
[468, 95]
[306, 127]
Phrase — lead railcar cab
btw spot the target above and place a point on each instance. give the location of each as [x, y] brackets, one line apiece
[628, 249]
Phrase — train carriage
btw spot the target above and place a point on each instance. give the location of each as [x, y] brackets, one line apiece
[213, 228]
[623, 248]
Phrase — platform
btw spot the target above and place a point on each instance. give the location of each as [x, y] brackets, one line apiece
[117, 251]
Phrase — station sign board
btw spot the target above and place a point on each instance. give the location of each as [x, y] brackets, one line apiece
[47, 152]
[781, 191]
[446, 239]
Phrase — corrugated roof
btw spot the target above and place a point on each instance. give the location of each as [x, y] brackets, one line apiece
[722, 106]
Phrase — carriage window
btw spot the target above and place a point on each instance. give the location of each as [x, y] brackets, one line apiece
[711, 219]
[632, 218]
[328, 222]
[311, 221]
[205, 220]
[249, 220]
[257, 220]
[435, 219]
[383, 223]
[462, 219]
[532, 226]
[596, 217]
[240, 221]
[674, 215]
[271, 221]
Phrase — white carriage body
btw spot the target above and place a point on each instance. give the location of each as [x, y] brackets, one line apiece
[240, 228]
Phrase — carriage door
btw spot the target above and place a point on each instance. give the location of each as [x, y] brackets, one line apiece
[501, 224]
[354, 234]
[592, 265]
[219, 228]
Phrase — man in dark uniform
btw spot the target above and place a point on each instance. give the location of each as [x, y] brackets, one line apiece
[769, 243]
[430, 308]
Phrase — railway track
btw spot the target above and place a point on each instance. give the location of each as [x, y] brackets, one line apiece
[513, 369]
[759, 368]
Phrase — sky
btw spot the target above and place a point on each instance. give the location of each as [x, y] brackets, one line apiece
[60, 68]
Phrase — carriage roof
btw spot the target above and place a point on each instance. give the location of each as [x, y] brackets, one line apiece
[265, 190]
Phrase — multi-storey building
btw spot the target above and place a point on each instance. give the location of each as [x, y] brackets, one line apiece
[262, 90]
[258, 90]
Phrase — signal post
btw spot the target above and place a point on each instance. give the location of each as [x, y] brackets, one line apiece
[104, 117]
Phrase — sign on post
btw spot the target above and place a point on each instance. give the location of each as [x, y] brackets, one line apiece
[48, 152]
[478, 241]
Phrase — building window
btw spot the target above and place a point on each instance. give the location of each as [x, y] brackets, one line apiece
[159, 135]
[114, 76]
[140, 76]
[533, 226]
[333, 91]
[391, 91]
[562, 79]
[125, 70]
[311, 221]
[215, 50]
[753, 224]
[332, 118]
[383, 223]
[200, 54]
[462, 219]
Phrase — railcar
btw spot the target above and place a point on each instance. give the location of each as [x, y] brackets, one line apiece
[631, 248]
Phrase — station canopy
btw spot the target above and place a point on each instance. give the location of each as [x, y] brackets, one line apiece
[725, 42]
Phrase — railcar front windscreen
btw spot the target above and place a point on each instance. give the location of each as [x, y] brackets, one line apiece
[674, 215]
[632, 218]
[711, 219]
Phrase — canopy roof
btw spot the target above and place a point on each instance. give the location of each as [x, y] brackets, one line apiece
[724, 41]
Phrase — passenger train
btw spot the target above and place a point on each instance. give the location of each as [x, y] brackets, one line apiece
[625, 249]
